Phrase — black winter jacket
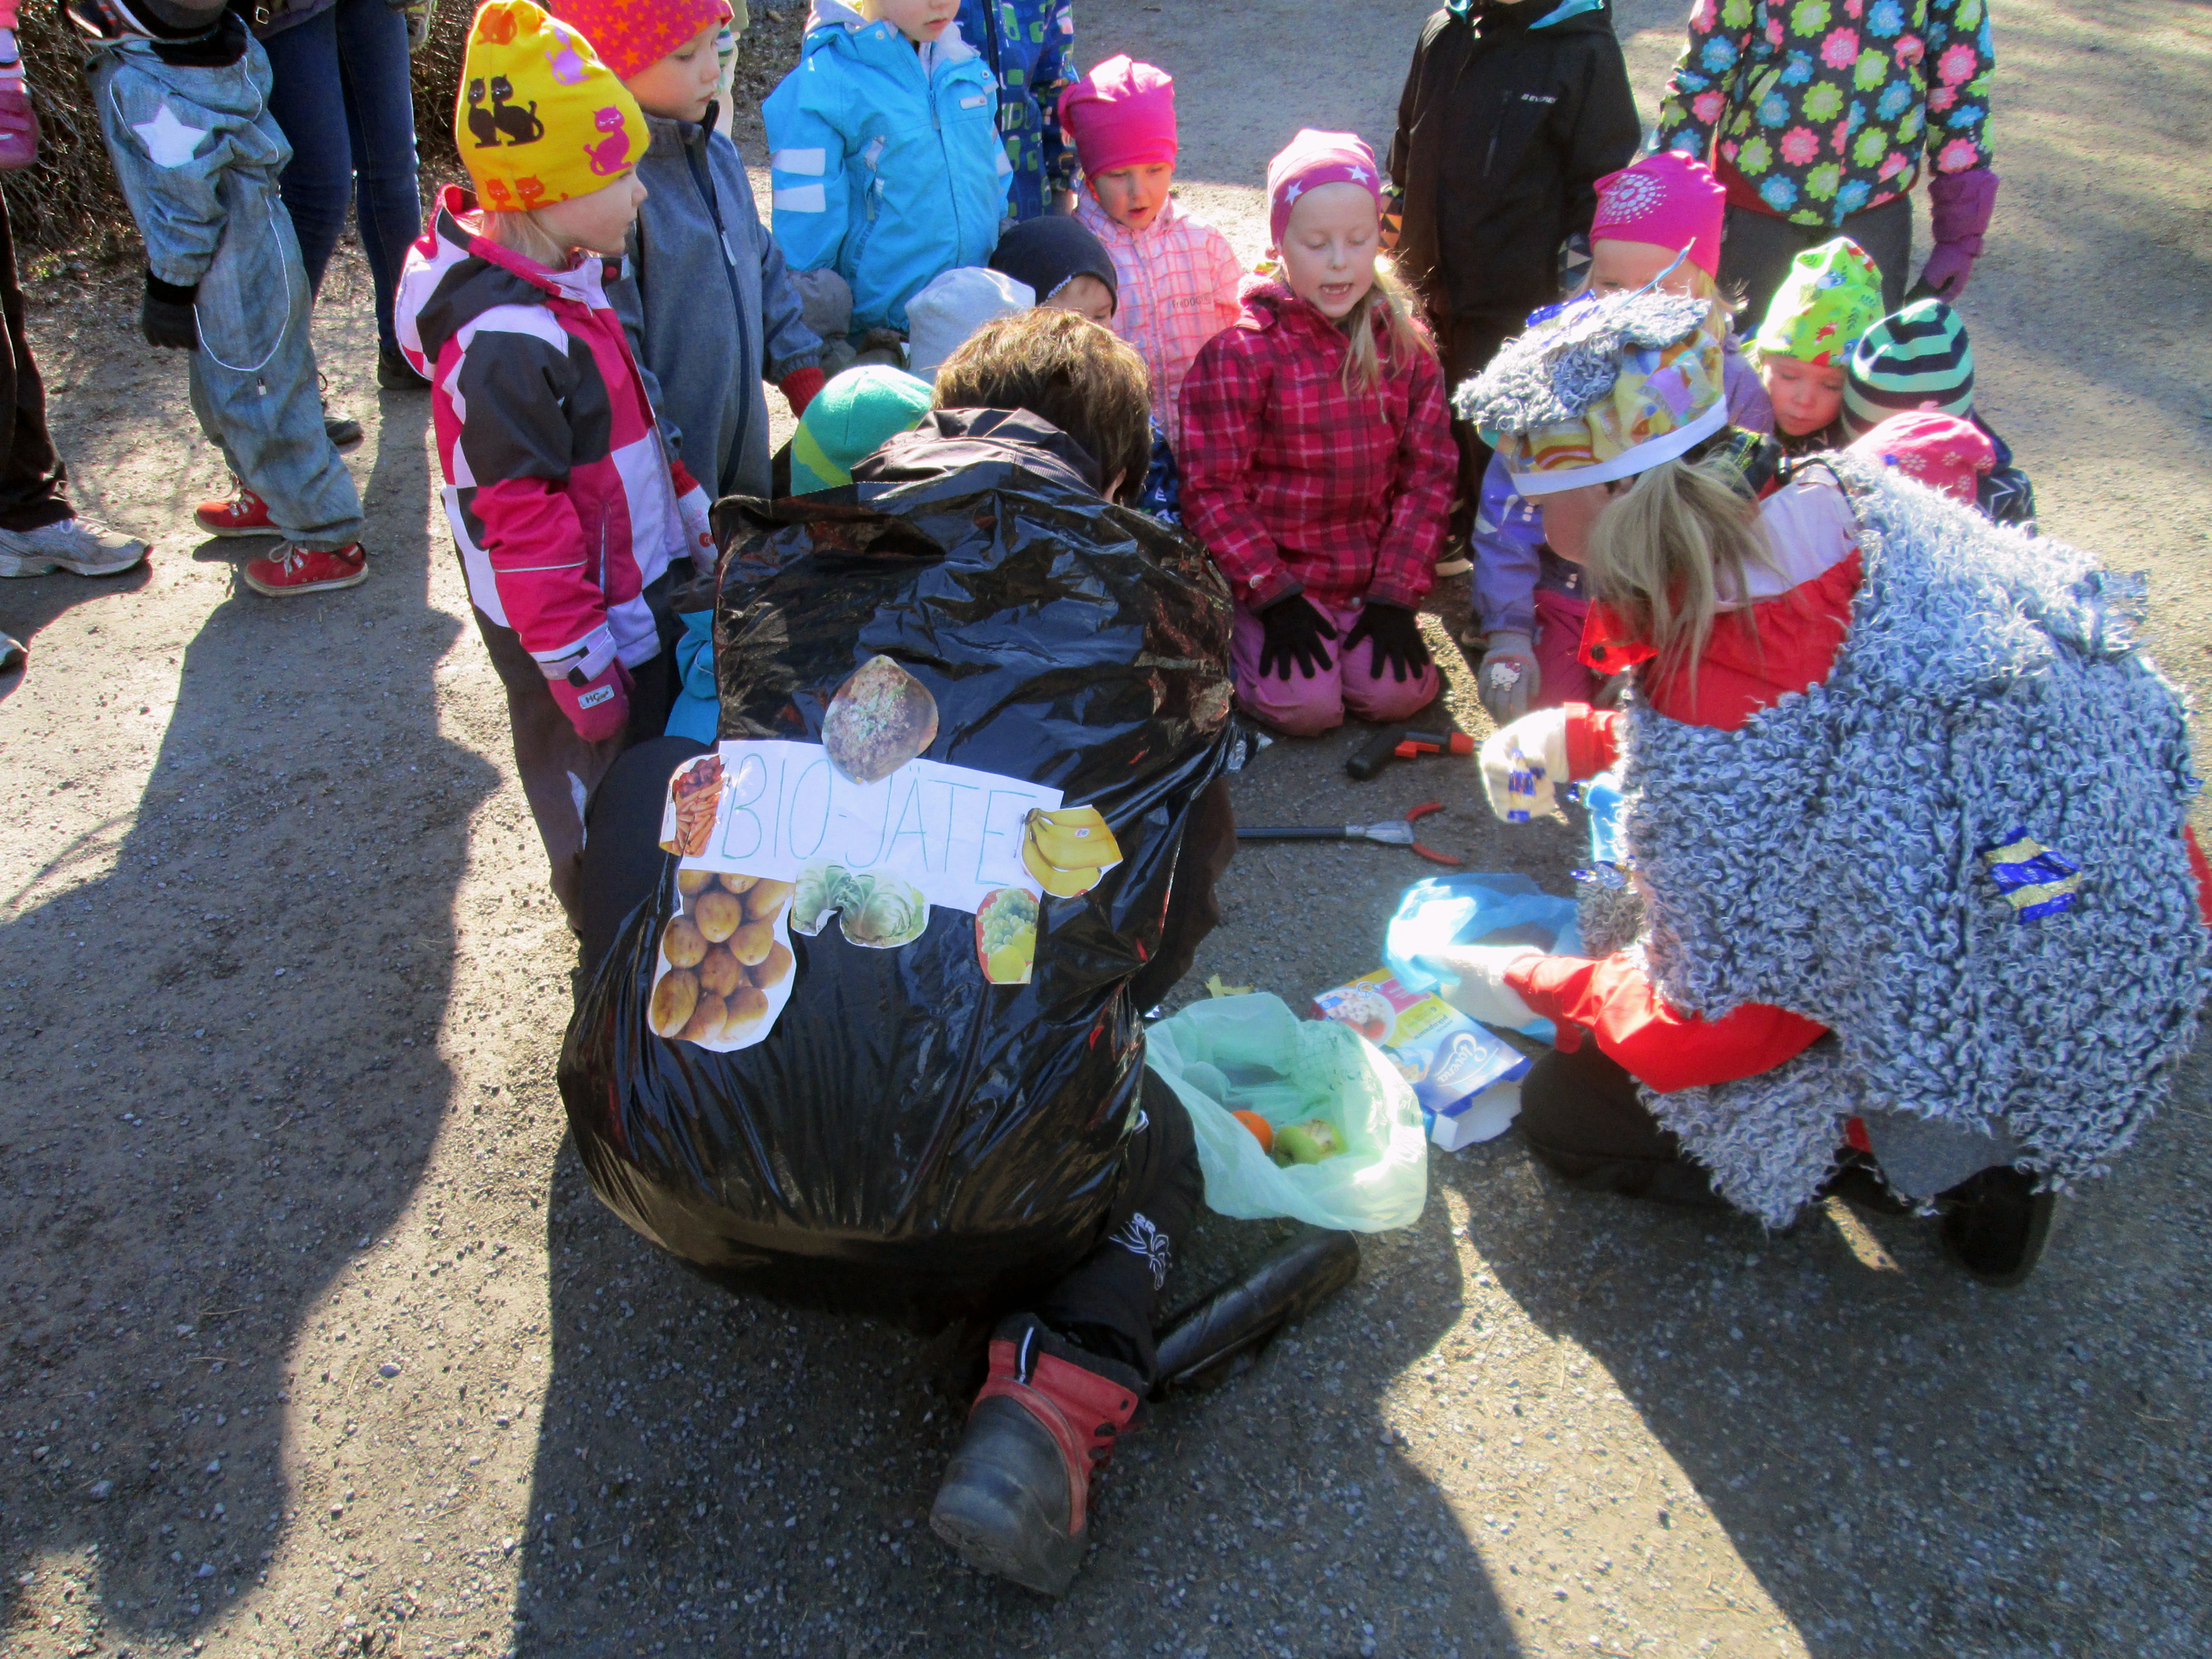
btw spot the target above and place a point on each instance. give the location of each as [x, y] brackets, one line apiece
[1502, 131]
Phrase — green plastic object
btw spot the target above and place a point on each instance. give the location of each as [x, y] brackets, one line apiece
[1251, 1053]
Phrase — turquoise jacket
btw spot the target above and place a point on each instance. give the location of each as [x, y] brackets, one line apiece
[886, 167]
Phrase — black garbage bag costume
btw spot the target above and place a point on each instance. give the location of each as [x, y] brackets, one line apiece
[909, 1138]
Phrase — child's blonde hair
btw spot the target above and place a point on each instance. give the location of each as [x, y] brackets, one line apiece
[1703, 285]
[1666, 556]
[521, 233]
[1389, 304]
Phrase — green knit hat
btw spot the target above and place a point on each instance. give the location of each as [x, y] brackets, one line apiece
[851, 417]
[1832, 295]
[1915, 358]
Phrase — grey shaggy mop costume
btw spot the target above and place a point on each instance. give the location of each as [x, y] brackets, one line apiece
[1826, 858]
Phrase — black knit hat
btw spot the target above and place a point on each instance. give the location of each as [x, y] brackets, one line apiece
[1051, 252]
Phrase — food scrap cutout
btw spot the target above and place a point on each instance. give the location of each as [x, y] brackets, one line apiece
[1068, 850]
[1005, 935]
[2033, 879]
[726, 961]
[695, 794]
[880, 719]
[878, 911]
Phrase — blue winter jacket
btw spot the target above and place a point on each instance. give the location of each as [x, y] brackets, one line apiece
[886, 167]
[1031, 44]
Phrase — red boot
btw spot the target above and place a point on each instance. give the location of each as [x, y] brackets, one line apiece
[1015, 1501]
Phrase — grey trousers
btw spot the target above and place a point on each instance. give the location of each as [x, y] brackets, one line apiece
[1756, 253]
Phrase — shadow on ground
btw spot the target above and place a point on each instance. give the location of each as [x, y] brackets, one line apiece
[1858, 1417]
[222, 1005]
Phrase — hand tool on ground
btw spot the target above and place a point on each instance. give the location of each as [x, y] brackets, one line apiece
[1398, 832]
[1398, 742]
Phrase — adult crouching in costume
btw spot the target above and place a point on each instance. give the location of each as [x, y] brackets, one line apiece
[923, 1129]
[1903, 800]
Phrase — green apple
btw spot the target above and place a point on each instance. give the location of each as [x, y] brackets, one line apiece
[1309, 1142]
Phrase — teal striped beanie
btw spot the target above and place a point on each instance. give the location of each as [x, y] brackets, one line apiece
[1913, 359]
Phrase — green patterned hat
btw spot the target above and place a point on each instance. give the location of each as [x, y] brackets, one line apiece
[1832, 295]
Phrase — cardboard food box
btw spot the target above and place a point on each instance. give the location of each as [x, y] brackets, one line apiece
[1468, 1080]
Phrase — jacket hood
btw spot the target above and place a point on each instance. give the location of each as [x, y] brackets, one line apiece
[453, 277]
[833, 25]
[948, 440]
[1568, 16]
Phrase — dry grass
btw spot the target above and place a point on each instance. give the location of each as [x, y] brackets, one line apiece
[68, 209]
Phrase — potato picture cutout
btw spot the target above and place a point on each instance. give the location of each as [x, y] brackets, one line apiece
[723, 976]
[880, 719]
[673, 999]
[719, 973]
[720, 915]
[682, 943]
[705, 1024]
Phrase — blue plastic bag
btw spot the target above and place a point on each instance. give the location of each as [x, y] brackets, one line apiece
[1475, 909]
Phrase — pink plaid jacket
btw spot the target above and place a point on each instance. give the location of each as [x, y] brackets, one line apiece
[1293, 483]
[1177, 282]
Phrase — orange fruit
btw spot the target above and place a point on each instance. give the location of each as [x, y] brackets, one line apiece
[1262, 1131]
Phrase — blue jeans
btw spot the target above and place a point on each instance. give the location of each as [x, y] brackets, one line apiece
[341, 92]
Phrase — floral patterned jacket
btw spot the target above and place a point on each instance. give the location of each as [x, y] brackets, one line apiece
[1814, 110]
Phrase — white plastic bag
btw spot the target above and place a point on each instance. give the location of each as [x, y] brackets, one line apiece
[1252, 1053]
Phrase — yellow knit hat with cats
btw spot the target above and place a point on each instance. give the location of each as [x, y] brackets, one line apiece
[540, 119]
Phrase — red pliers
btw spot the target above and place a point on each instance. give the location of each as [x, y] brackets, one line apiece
[1399, 832]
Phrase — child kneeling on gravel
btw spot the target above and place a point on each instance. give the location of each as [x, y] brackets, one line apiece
[572, 522]
[1317, 459]
[183, 93]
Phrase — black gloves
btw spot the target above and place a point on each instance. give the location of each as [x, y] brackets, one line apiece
[166, 316]
[1295, 633]
[1394, 633]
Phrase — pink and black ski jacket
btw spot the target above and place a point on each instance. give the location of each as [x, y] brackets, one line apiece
[562, 501]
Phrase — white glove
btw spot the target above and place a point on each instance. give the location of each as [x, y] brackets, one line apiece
[1524, 764]
[1508, 675]
[692, 511]
[1477, 988]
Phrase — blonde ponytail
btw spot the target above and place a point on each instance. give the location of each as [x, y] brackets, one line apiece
[1389, 303]
[1667, 555]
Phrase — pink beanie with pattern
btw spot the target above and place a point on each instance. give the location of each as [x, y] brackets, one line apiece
[633, 35]
[1666, 199]
[1120, 115]
[1316, 158]
[1940, 451]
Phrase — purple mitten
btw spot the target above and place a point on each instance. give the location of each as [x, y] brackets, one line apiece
[1960, 204]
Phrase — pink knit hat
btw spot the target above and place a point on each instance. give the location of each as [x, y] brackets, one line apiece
[1940, 451]
[1120, 115]
[633, 35]
[1316, 158]
[1666, 199]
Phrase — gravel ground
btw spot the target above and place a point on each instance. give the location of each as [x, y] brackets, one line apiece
[317, 1342]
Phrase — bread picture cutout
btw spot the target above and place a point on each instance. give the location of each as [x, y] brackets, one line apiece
[880, 719]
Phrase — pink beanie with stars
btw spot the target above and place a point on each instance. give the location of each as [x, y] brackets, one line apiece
[1317, 158]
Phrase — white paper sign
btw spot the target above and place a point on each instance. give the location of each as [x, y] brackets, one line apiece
[953, 832]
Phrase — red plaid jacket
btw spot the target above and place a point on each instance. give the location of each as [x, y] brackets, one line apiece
[1294, 483]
